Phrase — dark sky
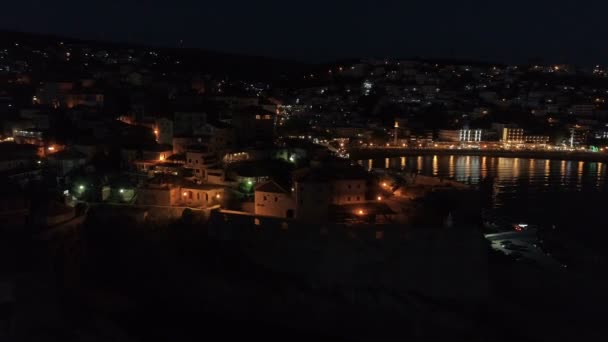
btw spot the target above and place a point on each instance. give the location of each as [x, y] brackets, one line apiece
[315, 30]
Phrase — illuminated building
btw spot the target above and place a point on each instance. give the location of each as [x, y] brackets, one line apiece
[536, 139]
[469, 135]
[321, 186]
[271, 199]
[512, 135]
[204, 165]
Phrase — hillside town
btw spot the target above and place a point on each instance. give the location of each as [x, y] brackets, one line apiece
[161, 192]
[138, 127]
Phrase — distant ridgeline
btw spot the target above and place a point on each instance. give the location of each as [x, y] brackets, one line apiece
[190, 59]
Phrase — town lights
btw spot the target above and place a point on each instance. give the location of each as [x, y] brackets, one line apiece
[218, 196]
[51, 148]
[360, 212]
[121, 190]
[185, 193]
[379, 198]
[384, 184]
[249, 182]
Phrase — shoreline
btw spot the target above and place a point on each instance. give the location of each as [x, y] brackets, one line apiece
[371, 153]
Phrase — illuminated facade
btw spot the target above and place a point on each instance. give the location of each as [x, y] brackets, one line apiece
[271, 199]
[512, 135]
[536, 139]
[470, 135]
[319, 187]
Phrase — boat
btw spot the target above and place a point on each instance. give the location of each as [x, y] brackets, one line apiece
[498, 223]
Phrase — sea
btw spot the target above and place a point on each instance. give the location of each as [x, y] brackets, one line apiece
[566, 195]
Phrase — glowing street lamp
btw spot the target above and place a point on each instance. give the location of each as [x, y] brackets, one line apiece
[121, 191]
[379, 198]
[360, 212]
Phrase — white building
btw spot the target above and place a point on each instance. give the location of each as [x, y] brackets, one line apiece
[470, 135]
[271, 199]
[204, 165]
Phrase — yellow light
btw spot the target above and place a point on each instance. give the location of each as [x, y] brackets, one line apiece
[185, 193]
[360, 212]
[379, 198]
[384, 184]
[218, 196]
[162, 157]
[156, 131]
[51, 148]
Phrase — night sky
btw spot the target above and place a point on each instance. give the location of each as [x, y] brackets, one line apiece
[315, 30]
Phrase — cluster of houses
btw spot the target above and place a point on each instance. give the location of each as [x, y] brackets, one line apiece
[200, 158]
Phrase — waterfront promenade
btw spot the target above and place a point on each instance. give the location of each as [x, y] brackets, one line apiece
[385, 152]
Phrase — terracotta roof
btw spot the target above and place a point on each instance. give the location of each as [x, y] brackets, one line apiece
[271, 186]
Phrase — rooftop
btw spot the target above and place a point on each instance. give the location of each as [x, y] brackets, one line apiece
[271, 186]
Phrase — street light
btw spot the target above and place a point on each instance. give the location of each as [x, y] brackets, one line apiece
[379, 198]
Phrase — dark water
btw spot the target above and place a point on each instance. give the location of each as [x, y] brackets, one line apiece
[569, 194]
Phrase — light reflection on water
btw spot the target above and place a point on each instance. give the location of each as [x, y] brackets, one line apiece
[528, 187]
[506, 171]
